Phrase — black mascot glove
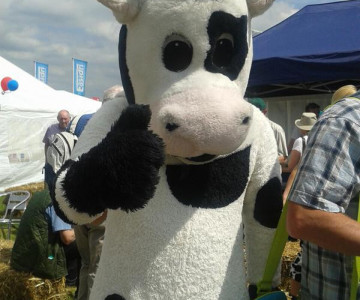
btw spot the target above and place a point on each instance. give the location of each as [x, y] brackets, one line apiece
[121, 171]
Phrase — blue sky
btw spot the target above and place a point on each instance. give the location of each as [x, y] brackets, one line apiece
[54, 32]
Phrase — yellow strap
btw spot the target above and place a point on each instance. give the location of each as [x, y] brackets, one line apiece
[276, 251]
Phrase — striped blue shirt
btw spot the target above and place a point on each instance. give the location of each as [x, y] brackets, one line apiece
[328, 179]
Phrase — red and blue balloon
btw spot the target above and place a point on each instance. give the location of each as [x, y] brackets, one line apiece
[9, 84]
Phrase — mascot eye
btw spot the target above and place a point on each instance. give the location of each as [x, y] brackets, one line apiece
[224, 51]
[177, 53]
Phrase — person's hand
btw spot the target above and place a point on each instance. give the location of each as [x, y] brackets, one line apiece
[101, 219]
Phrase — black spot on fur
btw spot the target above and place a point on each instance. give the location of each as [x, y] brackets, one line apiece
[114, 297]
[212, 185]
[269, 204]
[58, 211]
[124, 70]
[233, 57]
[121, 171]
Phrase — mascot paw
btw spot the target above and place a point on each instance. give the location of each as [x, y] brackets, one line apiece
[126, 164]
[136, 155]
[133, 117]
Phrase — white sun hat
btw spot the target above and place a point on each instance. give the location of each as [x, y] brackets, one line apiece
[307, 121]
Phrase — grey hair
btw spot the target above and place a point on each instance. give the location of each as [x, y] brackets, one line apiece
[63, 110]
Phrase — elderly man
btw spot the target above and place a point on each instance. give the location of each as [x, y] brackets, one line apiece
[323, 203]
[63, 118]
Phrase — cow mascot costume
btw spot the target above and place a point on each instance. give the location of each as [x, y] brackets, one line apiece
[184, 166]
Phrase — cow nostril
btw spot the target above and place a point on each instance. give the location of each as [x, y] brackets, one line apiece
[246, 120]
[171, 126]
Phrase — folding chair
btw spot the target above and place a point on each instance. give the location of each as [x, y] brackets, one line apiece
[16, 201]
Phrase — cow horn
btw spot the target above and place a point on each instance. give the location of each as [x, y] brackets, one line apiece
[124, 10]
[257, 7]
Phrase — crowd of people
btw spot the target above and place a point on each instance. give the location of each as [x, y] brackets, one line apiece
[322, 184]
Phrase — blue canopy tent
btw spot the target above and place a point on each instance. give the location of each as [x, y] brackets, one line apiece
[316, 50]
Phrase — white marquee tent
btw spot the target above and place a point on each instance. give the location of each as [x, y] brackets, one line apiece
[25, 115]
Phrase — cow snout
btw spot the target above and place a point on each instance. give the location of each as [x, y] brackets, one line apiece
[214, 121]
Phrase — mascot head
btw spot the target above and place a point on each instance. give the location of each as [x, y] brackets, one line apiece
[189, 60]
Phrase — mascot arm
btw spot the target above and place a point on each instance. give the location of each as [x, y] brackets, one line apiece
[119, 172]
[262, 207]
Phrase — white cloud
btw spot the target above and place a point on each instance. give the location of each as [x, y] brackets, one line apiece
[106, 29]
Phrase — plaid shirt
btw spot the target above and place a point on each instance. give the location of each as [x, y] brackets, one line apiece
[328, 179]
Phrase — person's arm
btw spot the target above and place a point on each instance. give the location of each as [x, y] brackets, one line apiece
[326, 183]
[67, 236]
[282, 159]
[332, 231]
[66, 233]
[100, 220]
[294, 160]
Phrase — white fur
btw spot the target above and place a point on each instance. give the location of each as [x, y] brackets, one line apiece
[99, 125]
[168, 250]
[169, 244]
[264, 158]
[220, 132]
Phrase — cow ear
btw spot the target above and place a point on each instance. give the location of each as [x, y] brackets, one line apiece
[257, 7]
[124, 10]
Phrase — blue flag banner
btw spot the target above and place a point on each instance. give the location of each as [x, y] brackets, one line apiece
[41, 71]
[79, 76]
